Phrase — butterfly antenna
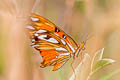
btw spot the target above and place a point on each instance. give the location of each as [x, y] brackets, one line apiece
[73, 69]
[87, 38]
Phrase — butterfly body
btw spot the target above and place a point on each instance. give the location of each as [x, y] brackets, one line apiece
[54, 45]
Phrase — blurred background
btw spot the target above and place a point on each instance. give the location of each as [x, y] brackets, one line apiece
[78, 18]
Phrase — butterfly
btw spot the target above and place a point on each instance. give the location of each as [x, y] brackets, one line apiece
[54, 45]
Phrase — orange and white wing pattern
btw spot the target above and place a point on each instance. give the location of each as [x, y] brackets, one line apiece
[54, 45]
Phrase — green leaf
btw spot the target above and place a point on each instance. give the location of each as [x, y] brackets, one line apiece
[98, 56]
[98, 62]
[101, 63]
[108, 76]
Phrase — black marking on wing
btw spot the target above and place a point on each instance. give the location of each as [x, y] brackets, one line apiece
[57, 30]
[48, 37]
[36, 38]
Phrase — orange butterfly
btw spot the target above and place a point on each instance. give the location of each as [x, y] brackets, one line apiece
[55, 46]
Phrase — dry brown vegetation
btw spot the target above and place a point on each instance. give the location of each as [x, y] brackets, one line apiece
[99, 18]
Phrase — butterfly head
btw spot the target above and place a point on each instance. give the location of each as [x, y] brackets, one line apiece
[82, 45]
[79, 49]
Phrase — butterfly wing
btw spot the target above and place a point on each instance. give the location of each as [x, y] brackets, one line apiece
[55, 46]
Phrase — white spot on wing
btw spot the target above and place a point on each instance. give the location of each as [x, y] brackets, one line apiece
[33, 40]
[34, 19]
[42, 37]
[60, 49]
[35, 45]
[52, 40]
[63, 41]
[36, 34]
[30, 27]
[56, 34]
[64, 54]
[73, 50]
[41, 31]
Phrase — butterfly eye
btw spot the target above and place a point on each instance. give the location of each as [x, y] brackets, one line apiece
[64, 36]
[57, 30]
